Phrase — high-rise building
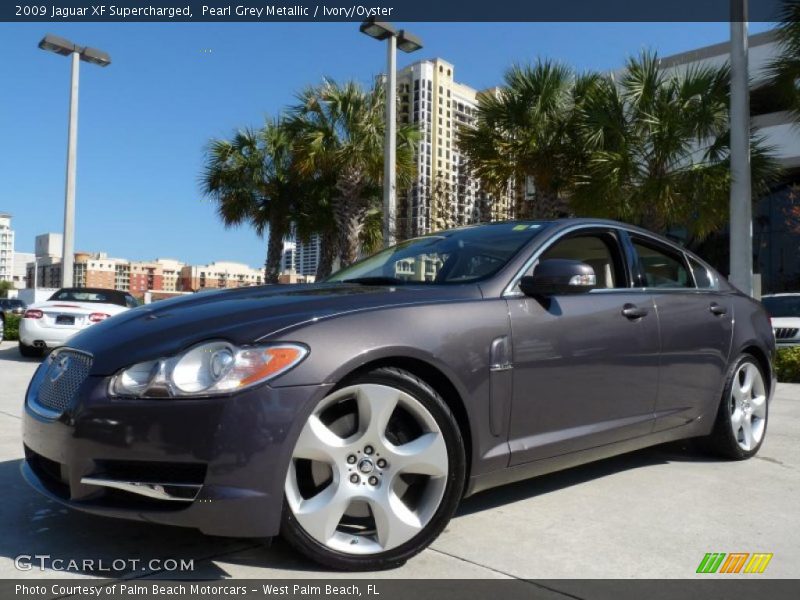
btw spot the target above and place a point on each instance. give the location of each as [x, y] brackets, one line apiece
[6, 248]
[20, 274]
[445, 193]
[301, 257]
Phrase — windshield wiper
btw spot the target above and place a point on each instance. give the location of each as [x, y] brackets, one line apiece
[375, 280]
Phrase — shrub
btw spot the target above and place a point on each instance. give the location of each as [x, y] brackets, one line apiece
[787, 364]
[11, 330]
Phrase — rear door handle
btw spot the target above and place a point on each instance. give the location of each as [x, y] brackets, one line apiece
[716, 309]
[632, 311]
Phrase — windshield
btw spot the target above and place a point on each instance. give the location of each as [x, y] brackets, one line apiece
[782, 306]
[454, 256]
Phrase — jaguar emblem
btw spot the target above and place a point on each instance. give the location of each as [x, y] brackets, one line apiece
[60, 366]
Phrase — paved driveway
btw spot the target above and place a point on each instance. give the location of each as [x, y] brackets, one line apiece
[651, 514]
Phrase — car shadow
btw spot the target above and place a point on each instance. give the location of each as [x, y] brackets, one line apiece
[34, 525]
[680, 451]
[10, 352]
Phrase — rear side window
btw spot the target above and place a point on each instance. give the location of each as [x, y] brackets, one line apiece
[661, 266]
[703, 278]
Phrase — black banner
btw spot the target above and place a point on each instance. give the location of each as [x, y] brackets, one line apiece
[387, 10]
[376, 588]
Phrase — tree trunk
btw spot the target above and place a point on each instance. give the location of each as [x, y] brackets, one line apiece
[272, 266]
[549, 205]
[349, 222]
[522, 207]
[328, 247]
[350, 210]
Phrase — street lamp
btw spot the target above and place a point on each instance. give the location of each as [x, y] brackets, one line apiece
[407, 42]
[741, 208]
[59, 45]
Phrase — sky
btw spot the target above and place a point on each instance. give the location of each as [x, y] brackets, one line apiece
[146, 120]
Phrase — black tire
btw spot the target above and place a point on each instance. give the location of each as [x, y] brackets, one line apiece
[296, 536]
[722, 441]
[29, 351]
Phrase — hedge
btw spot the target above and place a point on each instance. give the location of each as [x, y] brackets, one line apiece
[11, 330]
[787, 364]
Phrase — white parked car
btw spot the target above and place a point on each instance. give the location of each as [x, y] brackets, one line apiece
[51, 323]
[784, 312]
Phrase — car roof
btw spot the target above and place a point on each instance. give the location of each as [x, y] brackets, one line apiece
[117, 295]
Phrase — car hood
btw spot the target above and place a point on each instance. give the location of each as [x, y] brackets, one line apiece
[242, 316]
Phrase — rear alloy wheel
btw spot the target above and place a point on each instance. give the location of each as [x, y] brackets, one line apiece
[742, 418]
[376, 473]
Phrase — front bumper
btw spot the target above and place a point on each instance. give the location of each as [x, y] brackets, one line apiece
[233, 450]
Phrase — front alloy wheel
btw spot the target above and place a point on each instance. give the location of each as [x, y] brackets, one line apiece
[376, 473]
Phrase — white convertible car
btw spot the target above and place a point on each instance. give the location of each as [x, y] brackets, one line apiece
[51, 323]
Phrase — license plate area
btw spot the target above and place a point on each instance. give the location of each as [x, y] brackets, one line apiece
[65, 320]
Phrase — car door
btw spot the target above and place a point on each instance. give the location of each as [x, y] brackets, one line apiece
[695, 328]
[584, 373]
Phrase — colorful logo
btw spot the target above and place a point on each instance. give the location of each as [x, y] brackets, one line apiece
[735, 562]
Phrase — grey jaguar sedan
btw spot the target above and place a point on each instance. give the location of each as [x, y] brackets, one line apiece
[352, 415]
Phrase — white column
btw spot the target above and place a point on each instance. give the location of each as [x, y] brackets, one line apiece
[67, 257]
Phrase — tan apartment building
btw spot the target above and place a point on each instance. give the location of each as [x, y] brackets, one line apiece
[445, 193]
[96, 270]
[219, 275]
[170, 274]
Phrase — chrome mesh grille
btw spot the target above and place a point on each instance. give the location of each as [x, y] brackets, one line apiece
[786, 333]
[65, 373]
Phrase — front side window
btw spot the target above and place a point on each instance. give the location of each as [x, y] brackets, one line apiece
[598, 250]
[661, 267]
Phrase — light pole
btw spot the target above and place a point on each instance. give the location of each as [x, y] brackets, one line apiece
[741, 208]
[407, 42]
[64, 47]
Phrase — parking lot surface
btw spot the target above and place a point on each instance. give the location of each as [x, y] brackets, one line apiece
[650, 514]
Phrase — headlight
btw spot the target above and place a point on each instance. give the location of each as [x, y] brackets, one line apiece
[211, 368]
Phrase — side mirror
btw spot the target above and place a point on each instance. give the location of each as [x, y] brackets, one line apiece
[557, 276]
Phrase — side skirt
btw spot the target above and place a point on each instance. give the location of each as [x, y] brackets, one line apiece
[485, 481]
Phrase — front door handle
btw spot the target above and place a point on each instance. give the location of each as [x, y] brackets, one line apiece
[632, 311]
[716, 309]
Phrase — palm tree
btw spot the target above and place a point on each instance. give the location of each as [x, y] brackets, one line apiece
[526, 130]
[339, 137]
[252, 180]
[657, 148]
[784, 71]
